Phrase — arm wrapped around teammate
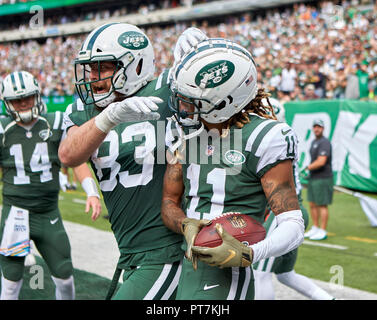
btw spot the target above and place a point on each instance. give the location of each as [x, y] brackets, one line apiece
[129, 110]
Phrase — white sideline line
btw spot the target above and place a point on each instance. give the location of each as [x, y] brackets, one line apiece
[81, 201]
[326, 245]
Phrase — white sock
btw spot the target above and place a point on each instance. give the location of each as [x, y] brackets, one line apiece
[303, 285]
[264, 288]
[10, 290]
[65, 288]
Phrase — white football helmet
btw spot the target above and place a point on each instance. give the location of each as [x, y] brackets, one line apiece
[130, 50]
[19, 85]
[219, 77]
[279, 109]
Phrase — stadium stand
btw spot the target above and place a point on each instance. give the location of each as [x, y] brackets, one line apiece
[328, 44]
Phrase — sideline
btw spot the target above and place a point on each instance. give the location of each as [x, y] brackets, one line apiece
[96, 251]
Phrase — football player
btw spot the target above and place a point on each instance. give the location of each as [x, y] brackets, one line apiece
[283, 266]
[29, 158]
[226, 155]
[114, 126]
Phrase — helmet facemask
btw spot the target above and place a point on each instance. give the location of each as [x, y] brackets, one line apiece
[132, 54]
[17, 86]
[84, 85]
[28, 115]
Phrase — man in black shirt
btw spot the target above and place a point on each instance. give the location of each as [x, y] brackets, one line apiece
[320, 186]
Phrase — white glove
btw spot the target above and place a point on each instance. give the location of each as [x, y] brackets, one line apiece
[188, 39]
[129, 110]
[63, 181]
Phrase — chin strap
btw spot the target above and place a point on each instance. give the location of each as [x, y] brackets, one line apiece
[106, 99]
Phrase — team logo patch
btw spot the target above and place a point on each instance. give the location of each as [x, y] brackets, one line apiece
[210, 150]
[214, 74]
[235, 157]
[133, 40]
[44, 134]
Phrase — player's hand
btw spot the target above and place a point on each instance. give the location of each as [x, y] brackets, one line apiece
[188, 39]
[94, 203]
[231, 253]
[190, 229]
[129, 110]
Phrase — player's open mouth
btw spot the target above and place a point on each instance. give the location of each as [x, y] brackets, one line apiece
[99, 89]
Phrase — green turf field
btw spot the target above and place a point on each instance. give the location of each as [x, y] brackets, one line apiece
[38, 285]
[348, 227]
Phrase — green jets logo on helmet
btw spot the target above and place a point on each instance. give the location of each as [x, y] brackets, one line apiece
[235, 157]
[133, 40]
[214, 74]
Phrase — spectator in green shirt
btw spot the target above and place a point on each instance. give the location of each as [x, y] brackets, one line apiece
[363, 76]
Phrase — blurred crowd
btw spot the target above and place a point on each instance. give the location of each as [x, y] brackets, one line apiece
[110, 11]
[13, 1]
[302, 52]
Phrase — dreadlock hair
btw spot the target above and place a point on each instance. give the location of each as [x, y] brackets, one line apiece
[254, 106]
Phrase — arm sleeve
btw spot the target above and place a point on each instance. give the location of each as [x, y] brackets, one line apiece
[288, 235]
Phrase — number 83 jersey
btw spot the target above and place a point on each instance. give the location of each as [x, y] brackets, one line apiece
[129, 166]
[30, 163]
[223, 174]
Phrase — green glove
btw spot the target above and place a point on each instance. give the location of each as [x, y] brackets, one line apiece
[190, 228]
[231, 253]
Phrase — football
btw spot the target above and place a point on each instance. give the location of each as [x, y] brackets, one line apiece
[242, 227]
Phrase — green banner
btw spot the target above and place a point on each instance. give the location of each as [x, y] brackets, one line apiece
[21, 7]
[54, 103]
[351, 127]
[58, 103]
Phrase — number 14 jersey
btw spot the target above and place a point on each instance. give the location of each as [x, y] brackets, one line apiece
[30, 163]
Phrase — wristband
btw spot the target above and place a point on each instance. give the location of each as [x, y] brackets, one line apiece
[90, 187]
[103, 123]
